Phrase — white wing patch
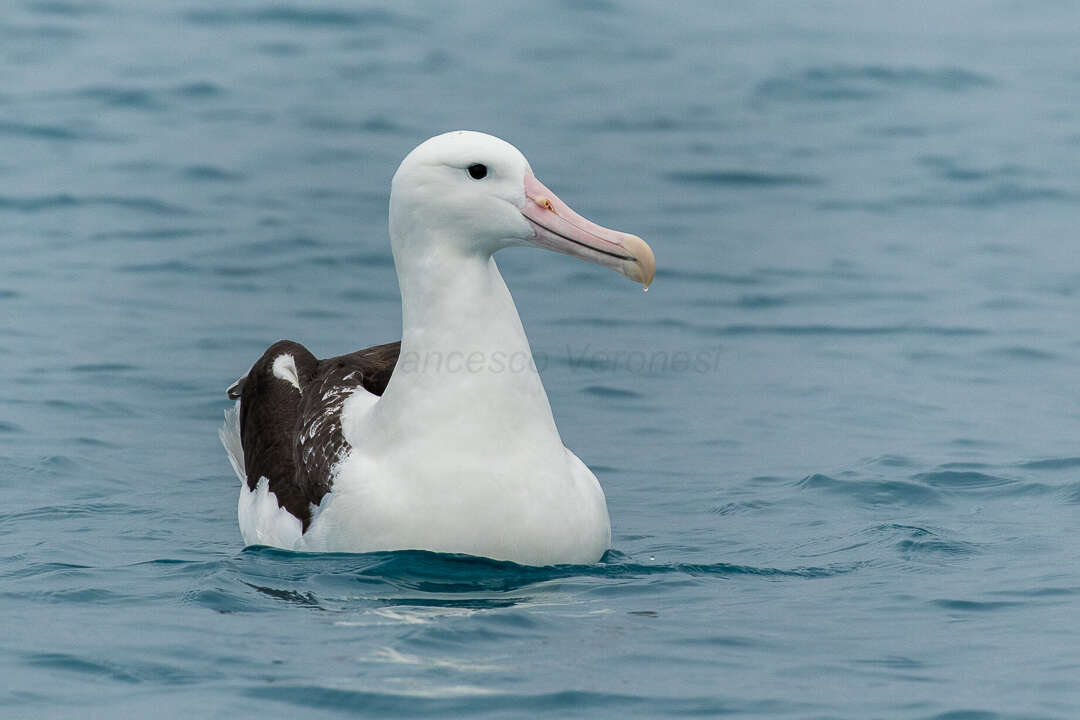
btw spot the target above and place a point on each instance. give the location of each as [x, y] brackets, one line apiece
[230, 438]
[285, 369]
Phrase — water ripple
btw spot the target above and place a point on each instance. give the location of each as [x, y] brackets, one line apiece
[998, 195]
[199, 90]
[9, 427]
[935, 548]
[843, 330]
[865, 82]
[1023, 353]
[874, 491]
[741, 178]
[959, 481]
[210, 173]
[65, 8]
[443, 580]
[127, 671]
[976, 606]
[950, 169]
[606, 391]
[122, 97]
[1066, 463]
[301, 16]
[64, 201]
[41, 131]
[466, 700]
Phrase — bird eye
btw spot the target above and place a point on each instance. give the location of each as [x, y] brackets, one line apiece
[477, 171]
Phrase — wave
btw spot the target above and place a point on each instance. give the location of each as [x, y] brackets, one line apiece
[874, 491]
[971, 481]
[1066, 463]
[199, 90]
[968, 606]
[65, 201]
[300, 16]
[65, 8]
[948, 168]
[1072, 494]
[211, 173]
[115, 96]
[1023, 353]
[959, 480]
[865, 82]
[999, 195]
[44, 131]
[845, 330]
[119, 668]
[175, 233]
[378, 125]
[741, 178]
[606, 391]
[472, 701]
[416, 578]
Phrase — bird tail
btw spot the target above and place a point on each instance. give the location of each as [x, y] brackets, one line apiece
[230, 438]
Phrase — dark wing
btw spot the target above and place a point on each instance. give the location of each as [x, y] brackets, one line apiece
[319, 441]
[269, 412]
[375, 365]
[290, 417]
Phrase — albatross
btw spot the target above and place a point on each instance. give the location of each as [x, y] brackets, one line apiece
[444, 441]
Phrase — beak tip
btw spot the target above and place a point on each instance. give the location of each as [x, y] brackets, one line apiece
[643, 267]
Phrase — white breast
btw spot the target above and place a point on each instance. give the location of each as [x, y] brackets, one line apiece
[456, 505]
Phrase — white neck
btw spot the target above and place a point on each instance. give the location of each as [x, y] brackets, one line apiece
[465, 362]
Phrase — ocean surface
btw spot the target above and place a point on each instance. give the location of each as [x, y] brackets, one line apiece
[840, 436]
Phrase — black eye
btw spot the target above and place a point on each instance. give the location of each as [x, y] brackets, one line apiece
[478, 171]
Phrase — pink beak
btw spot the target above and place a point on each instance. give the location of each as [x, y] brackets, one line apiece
[561, 229]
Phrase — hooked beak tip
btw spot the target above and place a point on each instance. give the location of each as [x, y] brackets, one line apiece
[642, 268]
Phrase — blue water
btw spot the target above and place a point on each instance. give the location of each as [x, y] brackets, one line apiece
[840, 437]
